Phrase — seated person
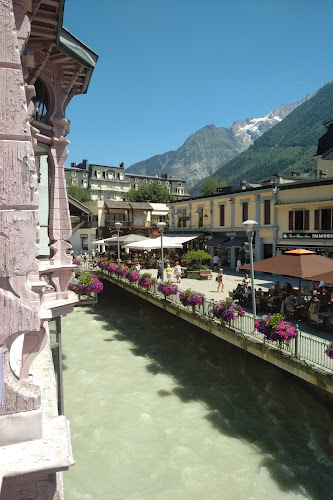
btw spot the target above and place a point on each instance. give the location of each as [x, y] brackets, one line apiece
[314, 305]
[290, 300]
[259, 293]
[246, 280]
[277, 286]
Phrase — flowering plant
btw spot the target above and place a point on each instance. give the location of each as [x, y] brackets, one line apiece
[121, 270]
[112, 266]
[86, 283]
[189, 298]
[227, 311]
[275, 328]
[329, 350]
[76, 261]
[132, 275]
[146, 280]
[103, 264]
[167, 288]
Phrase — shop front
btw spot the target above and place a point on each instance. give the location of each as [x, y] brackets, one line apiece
[319, 242]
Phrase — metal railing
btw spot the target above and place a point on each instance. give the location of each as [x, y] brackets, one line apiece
[305, 347]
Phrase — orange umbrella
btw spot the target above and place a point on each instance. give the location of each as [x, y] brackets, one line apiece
[299, 263]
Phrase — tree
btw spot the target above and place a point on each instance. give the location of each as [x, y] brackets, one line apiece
[195, 259]
[210, 185]
[150, 192]
[78, 193]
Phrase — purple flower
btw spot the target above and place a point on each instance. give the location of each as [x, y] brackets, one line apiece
[167, 288]
[227, 311]
[189, 298]
[275, 328]
[329, 350]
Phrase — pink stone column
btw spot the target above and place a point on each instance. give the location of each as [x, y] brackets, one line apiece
[19, 227]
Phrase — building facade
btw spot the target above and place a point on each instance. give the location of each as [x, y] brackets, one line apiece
[113, 183]
[42, 66]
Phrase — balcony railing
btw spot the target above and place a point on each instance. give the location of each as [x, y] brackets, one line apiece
[132, 224]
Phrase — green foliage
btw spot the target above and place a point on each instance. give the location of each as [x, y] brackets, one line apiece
[195, 259]
[275, 320]
[78, 193]
[288, 146]
[150, 192]
[210, 185]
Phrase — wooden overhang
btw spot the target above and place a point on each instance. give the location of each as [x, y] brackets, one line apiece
[51, 42]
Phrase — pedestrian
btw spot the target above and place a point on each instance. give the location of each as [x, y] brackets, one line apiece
[168, 272]
[159, 270]
[239, 263]
[215, 262]
[93, 255]
[137, 267]
[219, 279]
[177, 272]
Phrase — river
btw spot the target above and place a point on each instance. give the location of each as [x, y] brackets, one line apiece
[161, 410]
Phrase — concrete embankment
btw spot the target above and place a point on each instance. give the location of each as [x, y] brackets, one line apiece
[316, 376]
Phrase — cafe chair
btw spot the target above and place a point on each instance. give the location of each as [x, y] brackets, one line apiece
[315, 320]
[290, 311]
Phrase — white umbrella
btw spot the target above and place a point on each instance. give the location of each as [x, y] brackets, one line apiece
[168, 242]
[98, 242]
[127, 238]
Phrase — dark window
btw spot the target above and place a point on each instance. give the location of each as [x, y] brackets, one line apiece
[41, 101]
[245, 211]
[326, 219]
[267, 212]
[299, 220]
[222, 207]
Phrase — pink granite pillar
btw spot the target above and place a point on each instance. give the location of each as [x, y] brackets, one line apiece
[18, 207]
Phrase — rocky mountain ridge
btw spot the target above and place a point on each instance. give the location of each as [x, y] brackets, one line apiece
[209, 148]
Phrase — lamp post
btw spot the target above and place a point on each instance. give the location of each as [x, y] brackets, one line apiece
[118, 226]
[249, 228]
[161, 226]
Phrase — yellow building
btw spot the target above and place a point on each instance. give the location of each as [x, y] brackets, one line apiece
[219, 219]
[305, 216]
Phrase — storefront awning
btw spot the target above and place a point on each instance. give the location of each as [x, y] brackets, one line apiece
[235, 242]
[214, 242]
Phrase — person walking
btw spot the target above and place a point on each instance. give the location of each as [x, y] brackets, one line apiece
[219, 279]
[159, 271]
[239, 263]
[215, 262]
[178, 272]
[168, 272]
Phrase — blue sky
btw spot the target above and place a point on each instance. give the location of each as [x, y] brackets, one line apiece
[167, 68]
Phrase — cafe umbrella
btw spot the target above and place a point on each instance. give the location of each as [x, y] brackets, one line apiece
[299, 263]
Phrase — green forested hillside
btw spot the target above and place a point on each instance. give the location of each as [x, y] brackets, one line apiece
[288, 146]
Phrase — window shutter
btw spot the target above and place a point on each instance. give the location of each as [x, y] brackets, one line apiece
[316, 220]
[291, 220]
[306, 220]
[221, 215]
[267, 214]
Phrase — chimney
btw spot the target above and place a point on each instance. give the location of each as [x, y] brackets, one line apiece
[322, 174]
[243, 185]
[293, 174]
[122, 165]
[73, 164]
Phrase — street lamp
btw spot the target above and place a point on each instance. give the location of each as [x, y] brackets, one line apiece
[249, 228]
[161, 226]
[118, 226]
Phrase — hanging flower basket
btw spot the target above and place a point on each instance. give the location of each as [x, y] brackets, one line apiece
[167, 288]
[227, 310]
[329, 350]
[86, 283]
[190, 298]
[146, 281]
[132, 275]
[102, 264]
[120, 270]
[275, 328]
[112, 266]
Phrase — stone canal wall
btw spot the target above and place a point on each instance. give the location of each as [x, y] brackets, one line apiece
[319, 377]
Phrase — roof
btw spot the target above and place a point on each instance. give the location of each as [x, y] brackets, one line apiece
[78, 204]
[137, 205]
[117, 204]
[130, 174]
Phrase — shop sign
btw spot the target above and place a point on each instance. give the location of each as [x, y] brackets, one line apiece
[307, 236]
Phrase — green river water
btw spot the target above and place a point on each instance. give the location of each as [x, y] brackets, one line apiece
[161, 410]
